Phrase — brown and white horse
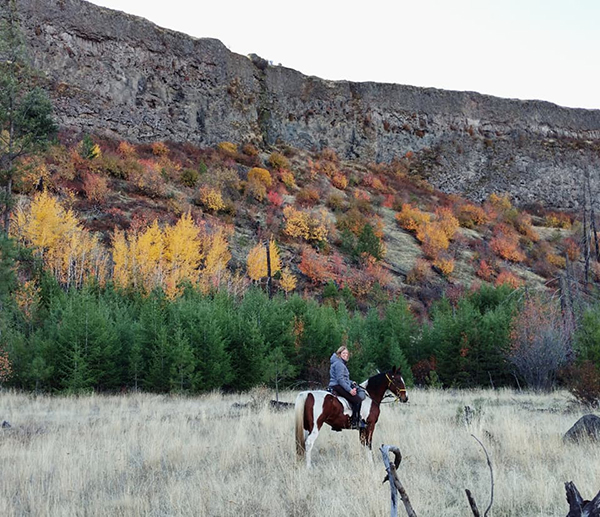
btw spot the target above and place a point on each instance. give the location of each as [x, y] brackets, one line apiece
[315, 408]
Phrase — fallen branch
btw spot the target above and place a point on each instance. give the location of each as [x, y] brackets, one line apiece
[395, 484]
[470, 497]
[577, 506]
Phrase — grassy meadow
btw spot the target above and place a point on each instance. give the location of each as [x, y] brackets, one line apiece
[229, 455]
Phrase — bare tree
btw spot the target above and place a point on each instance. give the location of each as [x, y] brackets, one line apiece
[540, 342]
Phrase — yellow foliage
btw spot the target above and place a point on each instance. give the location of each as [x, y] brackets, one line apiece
[160, 149]
[228, 148]
[411, 218]
[302, 224]
[501, 203]
[69, 251]
[126, 150]
[183, 250]
[259, 175]
[288, 281]
[445, 265]
[217, 254]
[447, 221]
[339, 181]
[211, 199]
[433, 237]
[470, 216]
[288, 179]
[557, 260]
[278, 161]
[256, 262]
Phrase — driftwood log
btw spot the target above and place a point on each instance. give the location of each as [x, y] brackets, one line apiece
[395, 484]
[578, 507]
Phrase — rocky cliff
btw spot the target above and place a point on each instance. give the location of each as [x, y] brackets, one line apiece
[120, 75]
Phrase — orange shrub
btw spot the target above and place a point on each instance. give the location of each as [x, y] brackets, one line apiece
[486, 271]
[308, 196]
[501, 203]
[506, 277]
[250, 150]
[339, 181]
[505, 244]
[95, 187]
[471, 216]
[571, 248]
[447, 221]
[329, 155]
[160, 149]
[126, 150]
[433, 238]
[445, 265]
[314, 266]
[411, 218]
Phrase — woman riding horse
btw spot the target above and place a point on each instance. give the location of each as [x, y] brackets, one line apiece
[340, 384]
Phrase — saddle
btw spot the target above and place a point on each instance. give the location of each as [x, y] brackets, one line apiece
[345, 404]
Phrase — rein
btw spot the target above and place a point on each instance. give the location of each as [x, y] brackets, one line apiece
[392, 383]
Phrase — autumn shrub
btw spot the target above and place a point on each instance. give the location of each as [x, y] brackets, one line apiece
[447, 221]
[433, 238]
[287, 281]
[256, 190]
[250, 150]
[88, 149]
[471, 216]
[260, 175]
[339, 181]
[189, 177]
[556, 260]
[312, 228]
[314, 266]
[485, 271]
[160, 149]
[278, 161]
[275, 198]
[419, 273]
[500, 203]
[508, 278]
[571, 248]
[583, 381]
[336, 202]
[228, 149]
[126, 150]
[211, 199]
[558, 220]
[505, 244]
[95, 187]
[287, 178]
[411, 218]
[329, 155]
[308, 196]
[149, 179]
[6, 369]
[521, 221]
[445, 265]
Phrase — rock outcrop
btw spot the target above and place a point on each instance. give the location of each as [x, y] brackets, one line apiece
[112, 73]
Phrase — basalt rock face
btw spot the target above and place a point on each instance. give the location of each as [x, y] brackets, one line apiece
[120, 75]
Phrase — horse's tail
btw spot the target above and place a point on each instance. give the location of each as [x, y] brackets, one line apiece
[300, 440]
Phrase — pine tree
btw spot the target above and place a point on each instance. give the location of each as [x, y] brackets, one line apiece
[25, 111]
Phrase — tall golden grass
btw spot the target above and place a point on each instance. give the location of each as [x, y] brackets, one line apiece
[144, 454]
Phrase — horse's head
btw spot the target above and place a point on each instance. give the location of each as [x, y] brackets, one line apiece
[396, 384]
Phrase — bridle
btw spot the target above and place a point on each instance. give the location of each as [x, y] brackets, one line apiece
[397, 389]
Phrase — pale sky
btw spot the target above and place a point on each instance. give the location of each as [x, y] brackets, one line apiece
[525, 49]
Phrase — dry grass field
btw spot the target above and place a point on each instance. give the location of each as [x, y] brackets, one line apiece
[143, 454]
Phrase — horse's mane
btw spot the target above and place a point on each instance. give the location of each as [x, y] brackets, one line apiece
[375, 381]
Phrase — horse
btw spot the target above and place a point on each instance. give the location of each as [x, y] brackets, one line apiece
[315, 408]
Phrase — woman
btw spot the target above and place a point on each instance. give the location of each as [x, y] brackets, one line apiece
[340, 384]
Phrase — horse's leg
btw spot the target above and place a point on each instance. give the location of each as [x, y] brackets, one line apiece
[310, 441]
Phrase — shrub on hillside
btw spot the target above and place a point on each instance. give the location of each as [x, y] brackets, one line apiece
[160, 149]
[190, 177]
[411, 218]
[471, 216]
[95, 187]
[583, 381]
[278, 161]
[211, 199]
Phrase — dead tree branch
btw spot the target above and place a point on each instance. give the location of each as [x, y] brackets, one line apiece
[577, 506]
[470, 497]
[395, 484]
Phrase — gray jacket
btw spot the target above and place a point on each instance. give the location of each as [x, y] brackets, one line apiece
[338, 373]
